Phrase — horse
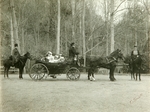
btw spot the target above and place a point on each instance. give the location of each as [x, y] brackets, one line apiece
[135, 66]
[20, 64]
[108, 62]
[128, 60]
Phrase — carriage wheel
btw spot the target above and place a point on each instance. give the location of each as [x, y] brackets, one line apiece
[73, 73]
[38, 71]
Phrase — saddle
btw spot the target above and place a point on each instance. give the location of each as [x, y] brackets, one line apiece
[13, 63]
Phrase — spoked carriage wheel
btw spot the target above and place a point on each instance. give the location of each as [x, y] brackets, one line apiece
[38, 71]
[73, 73]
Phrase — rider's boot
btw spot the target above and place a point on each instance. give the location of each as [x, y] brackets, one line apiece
[12, 63]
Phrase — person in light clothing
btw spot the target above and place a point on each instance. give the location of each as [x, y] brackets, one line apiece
[49, 57]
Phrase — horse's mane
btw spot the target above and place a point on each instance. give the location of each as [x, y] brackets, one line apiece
[113, 53]
[24, 55]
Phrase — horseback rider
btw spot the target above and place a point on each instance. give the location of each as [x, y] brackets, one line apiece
[15, 55]
[135, 53]
[73, 53]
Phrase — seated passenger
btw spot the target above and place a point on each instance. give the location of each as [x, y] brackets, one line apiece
[59, 58]
[49, 56]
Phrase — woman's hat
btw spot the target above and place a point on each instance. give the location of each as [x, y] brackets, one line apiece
[72, 44]
[49, 52]
[16, 45]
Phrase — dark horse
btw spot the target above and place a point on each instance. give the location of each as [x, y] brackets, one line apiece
[20, 64]
[108, 62]
[135, 66]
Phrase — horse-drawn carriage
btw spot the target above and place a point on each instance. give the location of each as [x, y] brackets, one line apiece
[42, 69]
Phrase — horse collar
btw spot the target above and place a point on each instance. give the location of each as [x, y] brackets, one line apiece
[109, 60]
[114, 58]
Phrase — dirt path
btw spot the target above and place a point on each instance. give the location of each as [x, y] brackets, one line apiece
[62, 95]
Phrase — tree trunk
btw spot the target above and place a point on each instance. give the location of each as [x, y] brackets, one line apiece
[83, 33]
[73, 19]
[15, 26]
[126, 35]
[147, 22]
[47, 35]
[135, 29]
[22, 41]
[106, 24]
[58, 29]
[112, 26]
[12, 35]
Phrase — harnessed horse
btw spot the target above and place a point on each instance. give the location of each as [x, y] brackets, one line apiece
[108, 62]
[135, 66]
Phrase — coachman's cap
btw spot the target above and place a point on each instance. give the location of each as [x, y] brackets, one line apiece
[72, 44]
[16, 45]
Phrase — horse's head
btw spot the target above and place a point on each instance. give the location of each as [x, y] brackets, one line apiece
[27, 55]
[120, 55]
[127, 60]
[117, 54]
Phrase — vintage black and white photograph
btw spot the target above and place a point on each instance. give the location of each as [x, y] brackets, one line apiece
[74, 55]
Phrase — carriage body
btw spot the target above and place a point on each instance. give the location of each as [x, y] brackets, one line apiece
[42, 69]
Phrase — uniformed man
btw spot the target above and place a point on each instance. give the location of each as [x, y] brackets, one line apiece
[15, 54]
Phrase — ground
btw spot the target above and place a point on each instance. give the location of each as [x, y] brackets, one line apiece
[63, 95]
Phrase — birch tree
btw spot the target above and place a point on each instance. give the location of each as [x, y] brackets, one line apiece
[112, 26]
[83, 33]
[58, 29]
[14, 24]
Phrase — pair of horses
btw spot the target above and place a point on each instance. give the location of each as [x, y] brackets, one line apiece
[134, 66]
[110, 62]
[20, 64]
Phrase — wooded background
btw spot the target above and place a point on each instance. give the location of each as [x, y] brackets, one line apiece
[96, 26]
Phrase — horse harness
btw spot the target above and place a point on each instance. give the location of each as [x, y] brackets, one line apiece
[110, 60]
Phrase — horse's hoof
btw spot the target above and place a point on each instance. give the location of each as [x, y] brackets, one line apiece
[93, 79]
[111, 79]
[114, 79]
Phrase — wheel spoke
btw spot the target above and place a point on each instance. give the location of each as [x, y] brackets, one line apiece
[73, 74]
[38, 71]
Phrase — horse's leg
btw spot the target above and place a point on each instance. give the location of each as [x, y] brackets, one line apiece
[140, 74]
[131, 75]
[93, 76]
[89, 73]
[133, 71]
[7, 70]
[20, 73]
[112, 73]
[4, 71]
[136, 75]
